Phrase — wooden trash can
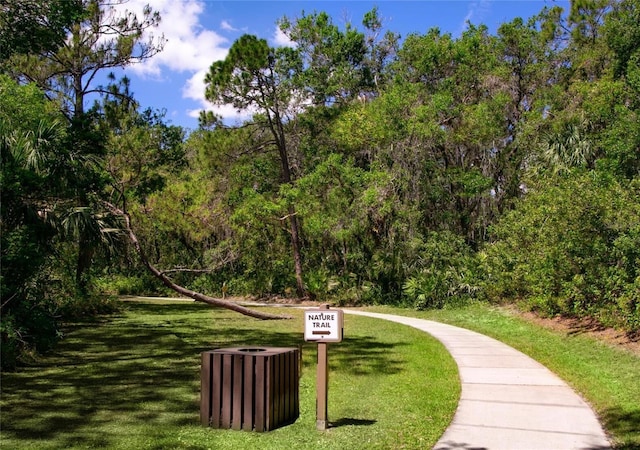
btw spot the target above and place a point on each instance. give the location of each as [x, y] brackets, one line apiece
[250, 388]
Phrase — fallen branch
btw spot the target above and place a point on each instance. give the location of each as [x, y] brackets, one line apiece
[180, 289]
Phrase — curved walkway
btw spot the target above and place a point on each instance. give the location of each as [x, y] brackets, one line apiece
[508, 400]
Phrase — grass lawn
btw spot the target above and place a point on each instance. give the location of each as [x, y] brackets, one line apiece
[607, 377]
[132, 382]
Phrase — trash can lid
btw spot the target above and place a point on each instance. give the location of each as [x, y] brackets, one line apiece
[248, 349]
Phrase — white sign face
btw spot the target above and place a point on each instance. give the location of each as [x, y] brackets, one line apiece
[323, 325]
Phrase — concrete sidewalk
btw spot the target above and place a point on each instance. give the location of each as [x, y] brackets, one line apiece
[508, 400]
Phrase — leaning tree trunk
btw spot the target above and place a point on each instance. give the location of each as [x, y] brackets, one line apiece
[180, 289]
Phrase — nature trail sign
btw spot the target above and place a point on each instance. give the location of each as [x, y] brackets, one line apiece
[322, 325]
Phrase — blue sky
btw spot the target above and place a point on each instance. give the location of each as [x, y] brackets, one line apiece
[199, 32]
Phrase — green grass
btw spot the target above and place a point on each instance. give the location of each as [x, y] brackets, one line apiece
[132, 382]
[606, 377]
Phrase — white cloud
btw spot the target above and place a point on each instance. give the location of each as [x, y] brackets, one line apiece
[194, 89]
[477, 12]
[225, 25]
[189, 47]
[230, 115]
[280, 39]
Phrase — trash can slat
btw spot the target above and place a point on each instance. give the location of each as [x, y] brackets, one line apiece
[250, 388]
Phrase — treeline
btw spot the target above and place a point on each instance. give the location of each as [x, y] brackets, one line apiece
[420, 171]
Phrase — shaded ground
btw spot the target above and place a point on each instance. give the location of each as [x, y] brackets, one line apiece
[133, 381]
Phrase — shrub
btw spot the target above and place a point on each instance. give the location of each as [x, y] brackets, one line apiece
[446, 270]
[29, 327]
[571, 247]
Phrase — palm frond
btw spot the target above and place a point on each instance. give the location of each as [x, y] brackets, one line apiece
[92, 226]
[30, 150]
[570, 148]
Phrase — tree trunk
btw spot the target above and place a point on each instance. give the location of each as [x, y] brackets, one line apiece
[85, 258]
[297, 258]
[182, 290]
[293, 219]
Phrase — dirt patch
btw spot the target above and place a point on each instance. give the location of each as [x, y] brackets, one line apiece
[275, 301]
[590, 327]
[286, 301]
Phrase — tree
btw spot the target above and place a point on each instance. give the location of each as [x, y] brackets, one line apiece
[142, 150]
[97, 38]
[34, 26]
[453, 130]
[331, 67]
[32, 135]
[143, 153]
[380, 51]
[181, 290]
[326, 70]
[622, 33]
[568, 249]
[253, 75]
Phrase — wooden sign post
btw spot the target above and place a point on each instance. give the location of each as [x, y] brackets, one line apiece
[322, 387]
[323, 326]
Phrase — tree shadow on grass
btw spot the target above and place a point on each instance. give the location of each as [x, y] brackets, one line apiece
[362, 355]
[624, 423]
[350, 421]
[141, 368]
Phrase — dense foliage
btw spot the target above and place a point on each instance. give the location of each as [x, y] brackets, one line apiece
[419, 171]
[53, 161]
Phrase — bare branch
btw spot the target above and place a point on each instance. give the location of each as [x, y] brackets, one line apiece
[282, 219]
[182, 270]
